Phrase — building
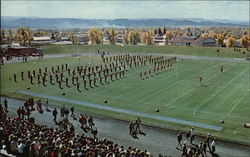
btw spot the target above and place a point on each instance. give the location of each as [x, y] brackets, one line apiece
[41, 41]
[159, 40]
[192, 41]
[23, 51]
[119, 39]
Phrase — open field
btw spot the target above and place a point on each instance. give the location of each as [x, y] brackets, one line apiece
[180, 50]
[176, 92]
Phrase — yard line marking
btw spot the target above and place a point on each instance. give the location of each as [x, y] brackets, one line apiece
[238, 102]
[178, 82]
[218, 91]
[142, 114]
[169, 104]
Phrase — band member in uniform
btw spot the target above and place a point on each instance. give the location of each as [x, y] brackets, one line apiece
[51, 79]
[67, 81]
[85, 84]
[78, 86]
[200, 78]
[90, 83]
[22, 75]
[95, 81]
[38, 79]
[31, 79]
[44, 79]
[29, 74]
[52, 69]
[60, 84]
[15, 77]
[34, 73]
[40, 71]
[221, 67]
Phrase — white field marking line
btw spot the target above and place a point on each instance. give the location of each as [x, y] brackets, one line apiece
[218, 91]
[169, 104]
[163, 78]
[238, 102]
[164, 89]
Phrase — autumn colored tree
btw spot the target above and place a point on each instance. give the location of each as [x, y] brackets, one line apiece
[112, 36]
[245, 41]
[134, 38]
[220, 38]
[230, 41]
[147, 37]
[125, 38]
[24, 34]
[95, 36]
[10, 36]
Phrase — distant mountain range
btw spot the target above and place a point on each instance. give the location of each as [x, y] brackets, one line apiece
[35, 22]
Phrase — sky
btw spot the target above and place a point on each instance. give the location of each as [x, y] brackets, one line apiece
[227, 10]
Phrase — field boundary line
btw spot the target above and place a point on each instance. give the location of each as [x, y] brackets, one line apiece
[142, 114]
[218, 91]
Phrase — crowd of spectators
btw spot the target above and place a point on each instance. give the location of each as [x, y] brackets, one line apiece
[23, 138]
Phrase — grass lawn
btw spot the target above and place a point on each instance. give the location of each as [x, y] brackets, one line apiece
[177, 93]
[181, 50]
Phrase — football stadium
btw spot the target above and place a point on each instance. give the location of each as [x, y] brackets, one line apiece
[97, 97]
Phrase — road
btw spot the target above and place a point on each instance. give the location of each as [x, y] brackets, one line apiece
[157, 140]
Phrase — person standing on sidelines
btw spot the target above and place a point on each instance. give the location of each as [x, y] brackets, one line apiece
[47, 104]
[179, 139]
[72, 112]
[192, 134]
[213, 146]
[55, 114]
[5, 105]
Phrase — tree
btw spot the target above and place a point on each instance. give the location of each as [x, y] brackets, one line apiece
[147, 37]
[164, 31]
[245, 41]
[2, 35]
[169, 35]
[133, 37]
[29, 35]
[112, 36]
[220, 39]
[24, 34]
[125, 38]
[159, 31]
[230, 41]
[10, 36]
[95, 36]
[155, 31]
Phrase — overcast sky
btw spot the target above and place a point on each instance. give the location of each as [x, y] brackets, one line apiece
[229, 10]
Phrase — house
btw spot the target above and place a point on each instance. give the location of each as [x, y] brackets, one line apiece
[182, 40]
[41, 41]
[192, 41]
[159, 40]
[119, 39]
[204, 41]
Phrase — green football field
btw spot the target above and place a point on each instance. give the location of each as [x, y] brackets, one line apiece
[176, 92]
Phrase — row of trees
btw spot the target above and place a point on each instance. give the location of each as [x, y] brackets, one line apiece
[23, 35]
